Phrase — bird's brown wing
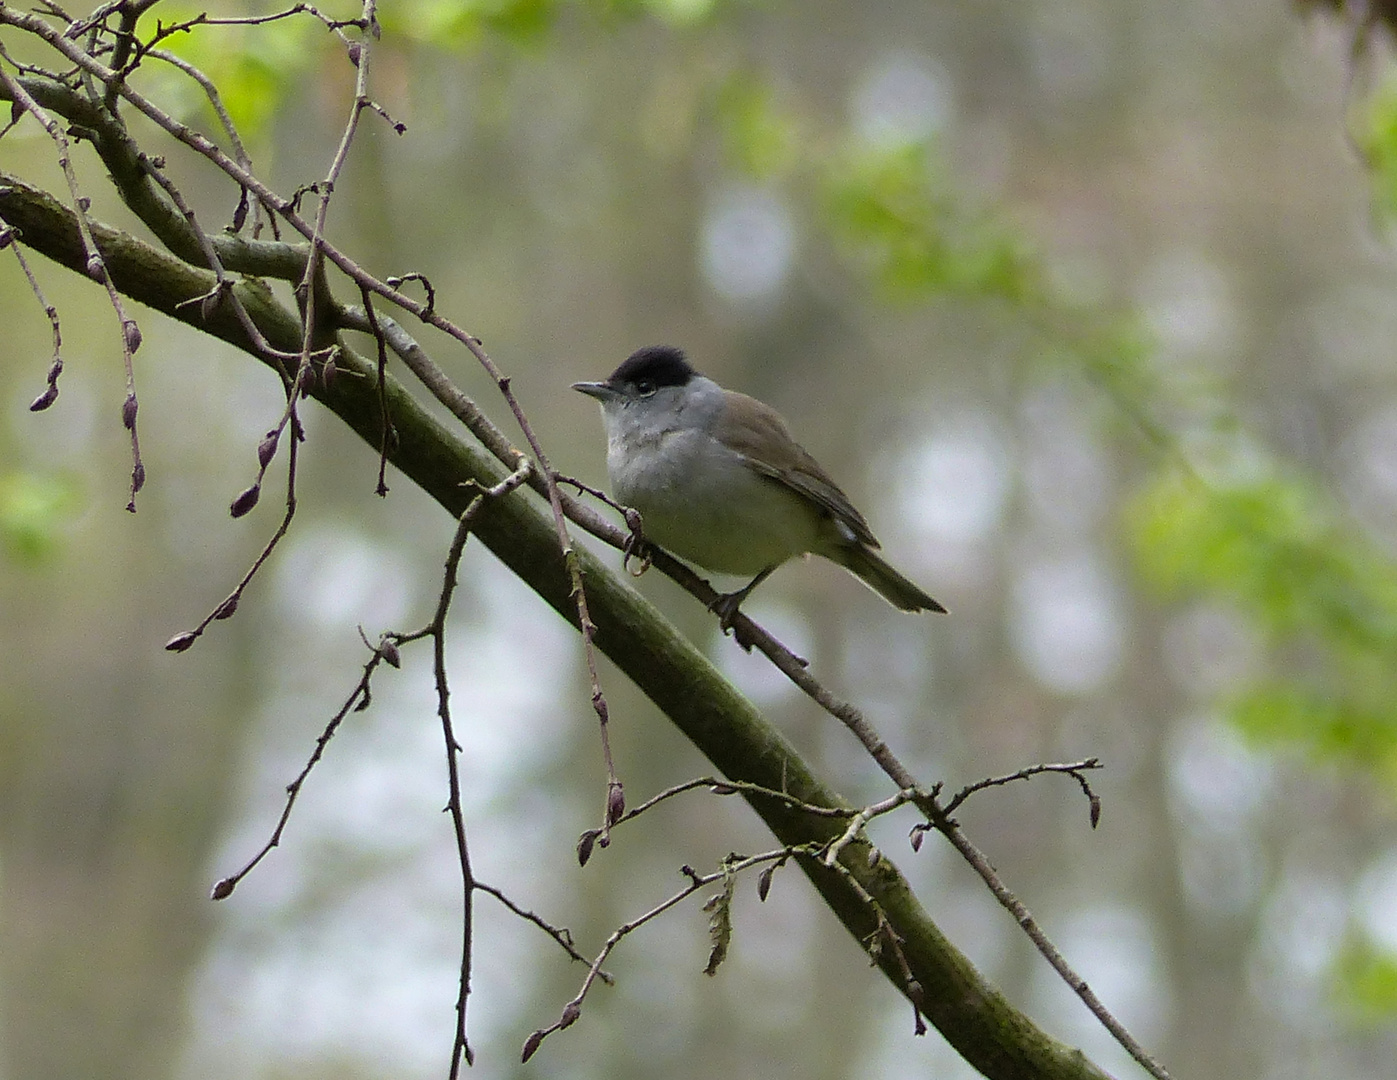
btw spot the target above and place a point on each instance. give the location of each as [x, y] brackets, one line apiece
[759, 434]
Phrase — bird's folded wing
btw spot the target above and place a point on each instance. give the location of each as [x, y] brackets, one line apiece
[760, 435]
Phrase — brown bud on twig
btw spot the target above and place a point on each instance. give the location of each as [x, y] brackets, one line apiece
[246, 501]
[531, 1044]
[133, 334]
[388, 649]
[240, 214]
[44, 400]
[585, 842]
[222, 889]
[615, 802]
[1095, 809]
[764, 882]
[180, 642]
[128, 412]
[266, 449]
[227, 608]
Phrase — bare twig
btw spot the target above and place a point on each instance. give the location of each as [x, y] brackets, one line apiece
[335, 26]
[436, 629]
[573, 1009]
[589, 838]
[222, 292]
[635, 543]
[96, 269]
[381, 344]
[8, 236]
[862, 817]
[230, 129]
[560, 934]
[242, 505]
[1073, 769]
[976, 858]
[357, 701]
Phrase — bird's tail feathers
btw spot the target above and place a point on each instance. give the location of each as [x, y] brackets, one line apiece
[884, 580]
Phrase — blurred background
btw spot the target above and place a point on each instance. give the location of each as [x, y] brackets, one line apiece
[1087, 305]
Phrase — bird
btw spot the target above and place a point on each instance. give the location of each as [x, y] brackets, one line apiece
[718, 480]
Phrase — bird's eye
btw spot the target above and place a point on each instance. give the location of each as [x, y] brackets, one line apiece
[645, 388]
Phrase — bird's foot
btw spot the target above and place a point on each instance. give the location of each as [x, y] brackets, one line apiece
[726, 608]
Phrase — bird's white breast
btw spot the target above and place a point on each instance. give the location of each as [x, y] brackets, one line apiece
[699, 499]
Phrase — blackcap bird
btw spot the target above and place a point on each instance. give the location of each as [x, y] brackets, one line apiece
[719, 481]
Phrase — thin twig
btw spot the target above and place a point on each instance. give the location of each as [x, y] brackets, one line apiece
[381, 345]
[573, 1009]
[862, 817]
[1073, 769]
[8, 237]
[436, 629]
[96, 269]
[230, 129]
[357, 701]
[242, 505]
[976, 858]
[589, 838]
[223, 291]
[560, 934]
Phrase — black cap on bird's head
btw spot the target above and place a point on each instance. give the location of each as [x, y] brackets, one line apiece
[662, 365]
[642, 373]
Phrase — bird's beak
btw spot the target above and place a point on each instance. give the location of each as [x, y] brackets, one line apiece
[599, 390]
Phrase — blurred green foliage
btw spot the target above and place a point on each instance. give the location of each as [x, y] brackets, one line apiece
[893, 208]
[1366, 983]
[257, 67]
[1318, 594]
[761, 137]
[33, 511]
[1375, 135]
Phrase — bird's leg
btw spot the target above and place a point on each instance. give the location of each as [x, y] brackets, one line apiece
[725, 607]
